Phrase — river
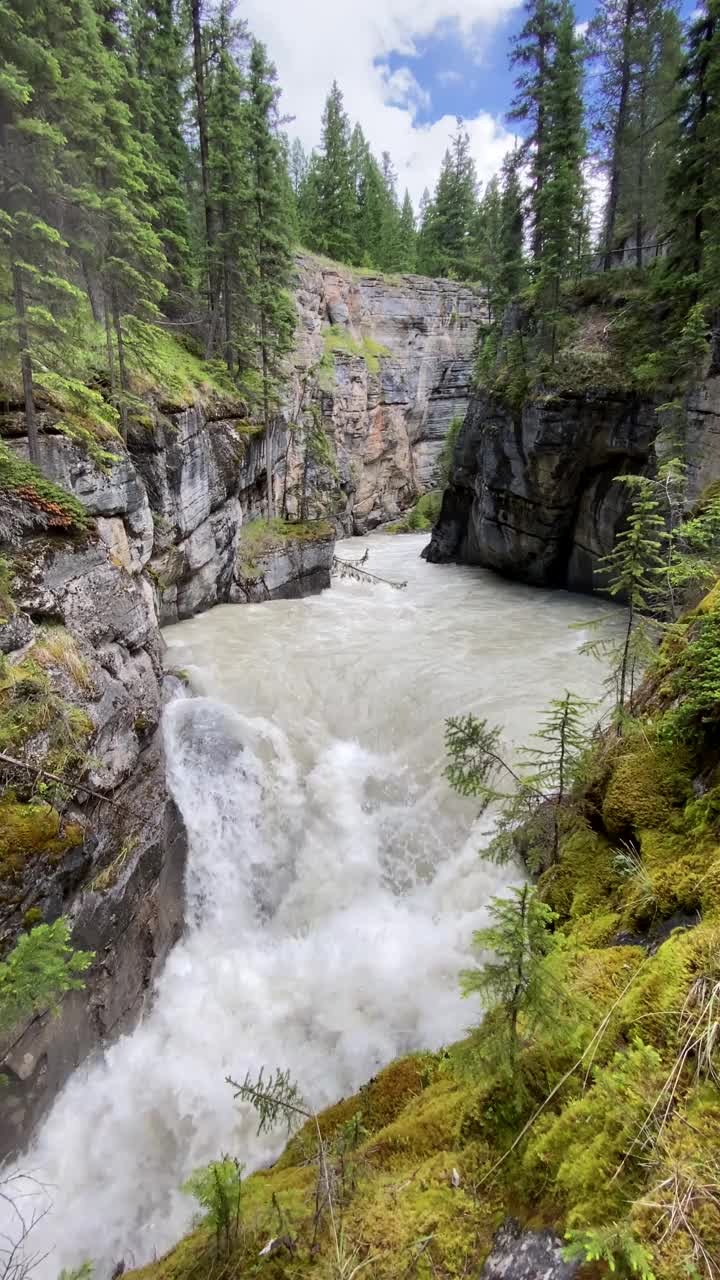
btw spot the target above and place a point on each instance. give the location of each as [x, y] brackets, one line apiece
[334, 880]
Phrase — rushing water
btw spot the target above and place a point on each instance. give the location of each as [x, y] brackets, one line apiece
[333, 881]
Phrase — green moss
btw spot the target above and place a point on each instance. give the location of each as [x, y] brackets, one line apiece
[25, 482]
[584, 877]
[649, 786]
[340, 341]
[30, 831]
[32, 917]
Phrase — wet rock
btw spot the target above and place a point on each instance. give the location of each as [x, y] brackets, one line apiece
[526, 1255]
[535, 496]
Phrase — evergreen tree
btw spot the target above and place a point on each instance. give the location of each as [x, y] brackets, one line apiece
[638, 47]
[297, 165]
[560, 225]
[532, 54]
[408, 236]
[633, 568]
[694, 190]
[370, 213]
[445, 244]
[513, 272]
[228, 189]
[269, 245]
[332, 233]
[514, 982]
[390, 256]
[41, 968]
[158, 48]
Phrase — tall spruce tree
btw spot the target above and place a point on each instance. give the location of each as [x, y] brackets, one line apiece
[637, 45]
[694, 190]
[269, 244]
[332, 233]
[445, 243]
[408, 235]
[228, 189]
[532, 54]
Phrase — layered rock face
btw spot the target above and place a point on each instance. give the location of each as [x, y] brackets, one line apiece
[82, 652]
[383, 365]
[534, 494]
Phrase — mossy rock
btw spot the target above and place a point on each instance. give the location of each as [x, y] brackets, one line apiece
[31, 831]
[585, 877]
[649, 787]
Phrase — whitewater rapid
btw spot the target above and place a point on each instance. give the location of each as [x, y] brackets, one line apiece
[333, 880]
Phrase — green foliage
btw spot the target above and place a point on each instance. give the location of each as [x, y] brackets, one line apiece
[274, 1098]
[22, 480]
[218, 1191]
[421, 516]
[615, 1245]
[514, 981]
[38, 972]
[695, 684]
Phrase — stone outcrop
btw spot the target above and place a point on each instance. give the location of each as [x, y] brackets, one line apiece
[534, 494]
[106, 848]
[527, 1255]
[383, 365]
[295, 566]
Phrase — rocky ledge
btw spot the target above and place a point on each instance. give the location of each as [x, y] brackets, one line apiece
[282, 562]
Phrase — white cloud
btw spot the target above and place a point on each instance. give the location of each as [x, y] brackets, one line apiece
[581, 29]
[403, 90]
[313, 42]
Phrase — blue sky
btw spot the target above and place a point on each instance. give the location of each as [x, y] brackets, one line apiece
[460, 77]
[407, 68]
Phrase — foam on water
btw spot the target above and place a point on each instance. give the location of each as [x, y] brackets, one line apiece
[333, 882]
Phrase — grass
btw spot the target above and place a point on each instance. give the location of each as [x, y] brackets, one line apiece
[340, 341]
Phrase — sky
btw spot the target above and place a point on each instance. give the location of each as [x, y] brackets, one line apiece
[407, 68]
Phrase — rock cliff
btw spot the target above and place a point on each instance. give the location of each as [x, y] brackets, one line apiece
[383, 365]
[532, 492]
[87, 827]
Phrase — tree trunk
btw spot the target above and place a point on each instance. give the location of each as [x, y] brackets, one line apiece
[26, 365]
[537, 237]
[122, 375]
[268, 423]
[640, 186]
[621, 121]
[204, 147]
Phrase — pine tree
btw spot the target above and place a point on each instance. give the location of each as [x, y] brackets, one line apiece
[390, 256]
[445, 246]
[158, 50]
[408, 236]
[229, 188]
[634, 566]
[512, 274]
[694, 189]
[560, 225]
[269, 244]
[514, 981]
[332, 233]
[532, 54]
[297, 165]
[637, 45]
[41, 968]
